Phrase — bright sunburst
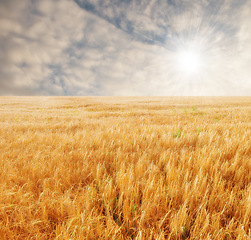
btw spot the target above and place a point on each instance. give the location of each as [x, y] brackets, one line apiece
[189, 61]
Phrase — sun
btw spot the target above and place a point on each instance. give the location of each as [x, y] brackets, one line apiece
[189, 61]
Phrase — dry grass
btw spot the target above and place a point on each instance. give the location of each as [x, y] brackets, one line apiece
[125, 168]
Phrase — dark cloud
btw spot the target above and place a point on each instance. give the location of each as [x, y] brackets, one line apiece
[115, 47]
[163, 22]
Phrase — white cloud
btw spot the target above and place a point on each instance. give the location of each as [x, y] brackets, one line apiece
[30, 46]
[56, 48]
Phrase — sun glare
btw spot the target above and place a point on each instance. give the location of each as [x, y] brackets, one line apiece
[189, 61]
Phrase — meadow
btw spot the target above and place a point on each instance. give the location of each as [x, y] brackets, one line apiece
[125, 168]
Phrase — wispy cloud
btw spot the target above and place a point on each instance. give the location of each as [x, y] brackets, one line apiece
[112, 47]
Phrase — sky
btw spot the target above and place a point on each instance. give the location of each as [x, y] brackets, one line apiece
[125, 47]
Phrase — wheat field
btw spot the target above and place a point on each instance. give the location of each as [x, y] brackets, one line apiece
[125, 168]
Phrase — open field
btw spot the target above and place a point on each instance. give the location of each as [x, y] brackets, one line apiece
[125, 168]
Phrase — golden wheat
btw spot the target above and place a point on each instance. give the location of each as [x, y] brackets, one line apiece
[125, 168]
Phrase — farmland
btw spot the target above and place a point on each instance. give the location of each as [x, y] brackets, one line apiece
[125, 168]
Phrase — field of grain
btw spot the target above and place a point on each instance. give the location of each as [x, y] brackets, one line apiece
[125, 168]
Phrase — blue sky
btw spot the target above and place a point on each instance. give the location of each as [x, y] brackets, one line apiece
[123, 47]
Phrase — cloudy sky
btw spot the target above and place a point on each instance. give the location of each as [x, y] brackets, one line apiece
[124, 47]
